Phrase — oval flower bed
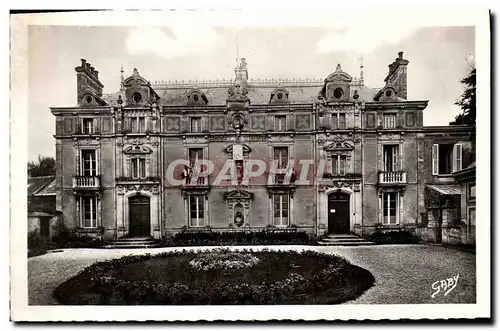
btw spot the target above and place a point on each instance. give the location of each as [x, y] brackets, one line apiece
[217, 277]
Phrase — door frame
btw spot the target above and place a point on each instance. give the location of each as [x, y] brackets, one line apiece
[345, 190]
[130, 220]
[346, 201]
[153, 211]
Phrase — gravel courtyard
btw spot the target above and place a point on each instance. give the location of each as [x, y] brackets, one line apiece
[404, 273]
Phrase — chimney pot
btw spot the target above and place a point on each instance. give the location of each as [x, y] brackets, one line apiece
[96, 74]
[83, 62]
[400, 54]
[92, 69]
[87, 66]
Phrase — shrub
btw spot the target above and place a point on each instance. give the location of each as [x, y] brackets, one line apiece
[264, 237]
[400, 236]
[277, 278]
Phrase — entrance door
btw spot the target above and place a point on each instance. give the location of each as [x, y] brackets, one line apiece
[338, 213]
[139, 216]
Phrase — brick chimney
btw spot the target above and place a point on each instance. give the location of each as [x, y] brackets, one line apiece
[397, 76]
[87, 78]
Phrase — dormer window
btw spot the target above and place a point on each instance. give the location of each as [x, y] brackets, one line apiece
[195, 97]
[137, 97]
[388, 93]
[337, 93]
[280, 95]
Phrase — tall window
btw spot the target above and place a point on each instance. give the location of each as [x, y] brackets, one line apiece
[138, 124]
[281, 209]
[389, 205]
[88, 126]
[138, 167]
[339, 164]
[195, 124]
[281, 157]
[389, 121]
[280, 123]
[196, 210]
[89, 212]
[195, 154]
[338, 121]
[472, 191]
[88, 163]
[446, 158]
[391, 157]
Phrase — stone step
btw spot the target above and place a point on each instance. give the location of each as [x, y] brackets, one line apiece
[342, 236]
[129, 246]
[356, 239]
[345, 243]
[135, 239]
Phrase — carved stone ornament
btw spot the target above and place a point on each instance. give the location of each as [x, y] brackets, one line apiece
[137, 149]
[238, 122]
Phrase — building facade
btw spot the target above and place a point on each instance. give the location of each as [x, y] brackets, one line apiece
[322, 156]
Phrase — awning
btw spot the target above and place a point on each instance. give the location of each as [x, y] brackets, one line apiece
[446, 189]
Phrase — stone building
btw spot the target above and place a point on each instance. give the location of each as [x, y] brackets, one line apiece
[339, 157]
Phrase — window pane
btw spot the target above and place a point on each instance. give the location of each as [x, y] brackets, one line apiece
[142, 124]
[134, 123]
[472, 190]
[342, 164]
[341, 121]
[195, 154]
[142, 166]
[335, 120]
[335, 164]
[134, 168]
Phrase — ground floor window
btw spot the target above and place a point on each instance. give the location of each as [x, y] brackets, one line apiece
[89, 212]
[472, 219]
[281, 209]
[390, 206]
[196, 210]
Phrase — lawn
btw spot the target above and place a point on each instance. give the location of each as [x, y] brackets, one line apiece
[217, 277]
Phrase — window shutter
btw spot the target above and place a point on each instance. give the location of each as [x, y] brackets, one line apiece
[435, 159]
[457, 157]
[395, 158]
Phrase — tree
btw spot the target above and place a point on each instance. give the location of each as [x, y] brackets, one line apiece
[467, 101]
[45, 166]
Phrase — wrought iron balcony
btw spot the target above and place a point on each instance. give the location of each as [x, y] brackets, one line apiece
[86, 182]
[193, 181]
[392, 177]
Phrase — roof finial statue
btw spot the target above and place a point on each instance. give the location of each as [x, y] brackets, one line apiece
[121, 79]
[338, 69]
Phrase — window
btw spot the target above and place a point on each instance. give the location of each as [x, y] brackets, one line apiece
[339, 164]
[138, 124]
[89, 212]
[410, 119]
[389, 205]
[391, 158]
[88, 126]
[389, 121]
[337, 93]
[88, 163]
[341, 121]
[195, 154]
[472, 218]
[446, 158]
[472, 191]
[138, 167]
[280, 123]
[338, 121]
[196, 210]
[137, 97]
[280, 203]
[370, 120]
[195, 124]
[281, 157]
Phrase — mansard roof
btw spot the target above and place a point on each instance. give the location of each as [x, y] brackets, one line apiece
[259, 91]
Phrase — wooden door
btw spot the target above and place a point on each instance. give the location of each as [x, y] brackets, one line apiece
[338, 213]
[139, 216]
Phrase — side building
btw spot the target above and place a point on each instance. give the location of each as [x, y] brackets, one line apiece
[322, 156]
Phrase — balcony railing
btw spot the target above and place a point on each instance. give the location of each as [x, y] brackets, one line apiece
[392, 177]
[86, 182]
[200, 181]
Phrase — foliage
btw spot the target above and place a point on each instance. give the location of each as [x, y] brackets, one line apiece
[467, 101]
[223, 260]
[268, 236]
[45, 166]
[278, 278]
[400, 236]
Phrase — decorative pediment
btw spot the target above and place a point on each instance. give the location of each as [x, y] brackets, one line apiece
[339, 76]
[137, 149]
[279, 95]
[196, 98]
[135, 79]
[338, 146]
[238, 194]
[388, 93]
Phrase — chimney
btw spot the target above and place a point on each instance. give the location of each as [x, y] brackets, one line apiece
[87, 80]
[397, 75]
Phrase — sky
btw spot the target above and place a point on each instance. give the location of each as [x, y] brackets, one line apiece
[439, 58]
